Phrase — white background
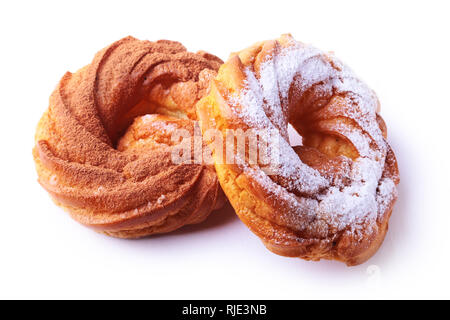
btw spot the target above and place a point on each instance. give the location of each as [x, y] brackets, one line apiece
[401, 49]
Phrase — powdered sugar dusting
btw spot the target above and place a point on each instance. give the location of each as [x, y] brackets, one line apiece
[263, 104]
[355, 203]
[386, 193]
[298, 175]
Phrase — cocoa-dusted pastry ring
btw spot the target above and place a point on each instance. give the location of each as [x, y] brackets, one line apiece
[331, 197]
[138, 190]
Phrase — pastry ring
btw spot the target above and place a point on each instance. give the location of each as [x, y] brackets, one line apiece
[331, 197]
[127, 187]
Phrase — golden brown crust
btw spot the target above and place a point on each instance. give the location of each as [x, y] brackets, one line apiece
[316, 211]
[130, 192]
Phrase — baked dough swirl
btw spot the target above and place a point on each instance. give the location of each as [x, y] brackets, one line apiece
[127, 188]
[331, 197]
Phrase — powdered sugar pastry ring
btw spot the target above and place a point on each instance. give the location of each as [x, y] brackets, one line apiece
[330, 197]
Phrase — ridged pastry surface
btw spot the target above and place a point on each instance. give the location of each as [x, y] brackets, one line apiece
[331, 197]
[107, 182]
